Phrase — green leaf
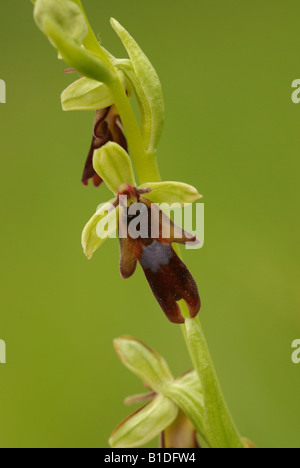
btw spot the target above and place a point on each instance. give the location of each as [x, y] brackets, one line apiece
[145, 424]
[147, 87]
[113, 165]
[100, 227]
[171, 192]
[143, 362]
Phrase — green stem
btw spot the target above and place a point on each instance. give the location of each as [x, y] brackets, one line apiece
[145, 162]
[90, 42]
[220, 429]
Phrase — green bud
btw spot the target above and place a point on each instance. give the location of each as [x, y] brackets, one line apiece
[145, 424]
[143, 362]
[101, 226]
[147, 87]
[171, 192]
[113, 165]
[63, 22]
[65, 15]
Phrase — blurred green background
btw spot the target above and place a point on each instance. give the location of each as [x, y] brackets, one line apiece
[231, 130]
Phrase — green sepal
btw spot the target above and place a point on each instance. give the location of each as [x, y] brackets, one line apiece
[145, 424]
[86, 94]
[171, 192]
[143, 362]
[113, 165]
[99, 228]
[147, 87]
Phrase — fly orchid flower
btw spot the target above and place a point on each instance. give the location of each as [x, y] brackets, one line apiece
[169, 402]
[107, 127]
[87, 94]
[151, 244]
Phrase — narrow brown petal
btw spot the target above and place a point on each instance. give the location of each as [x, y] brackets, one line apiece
[129, 248]
[97, 180]
[128, 257]
[98, 140]
[139, 398]
[163, 228]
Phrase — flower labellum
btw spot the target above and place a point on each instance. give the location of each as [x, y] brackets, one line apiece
[107, 127]
[167, 275]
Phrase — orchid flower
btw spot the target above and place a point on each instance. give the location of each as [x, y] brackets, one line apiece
[169, 404]
[167, 275]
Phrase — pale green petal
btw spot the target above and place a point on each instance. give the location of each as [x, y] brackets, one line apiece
[143, 362]
[171, 192]
[145, 424]
[113, 165]
[100, 227]
[86, 94]
[147, 87]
